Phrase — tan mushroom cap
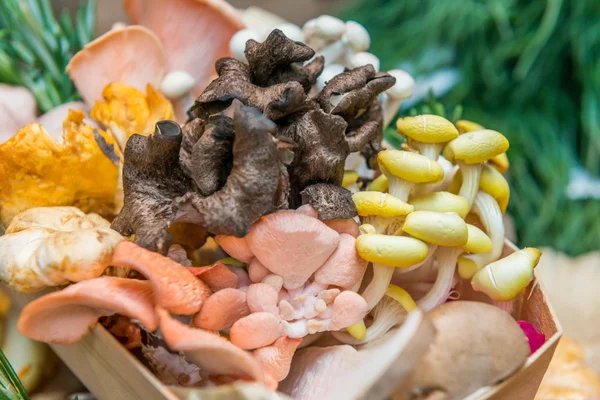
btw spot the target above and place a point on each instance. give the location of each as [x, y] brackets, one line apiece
[504, 279]
[486, 337]
[427, 128]
[393, 251]
[478, 241]
[476, 146]
[441, 202]
[411, 167]
[493, 183]
[442, 229]
[380, 204]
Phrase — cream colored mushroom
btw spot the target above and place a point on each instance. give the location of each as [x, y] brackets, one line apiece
[504, 279]
[469, 151]
[52, 246]
[487, 338]
[402, 90]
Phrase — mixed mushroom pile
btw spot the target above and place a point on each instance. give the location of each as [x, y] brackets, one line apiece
[243, 249]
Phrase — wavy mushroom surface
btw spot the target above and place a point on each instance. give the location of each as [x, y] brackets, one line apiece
[175, 288]
[65, 317]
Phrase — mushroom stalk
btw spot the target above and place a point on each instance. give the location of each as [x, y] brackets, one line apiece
[399, 187]
[374, 292]
[431, 251]
[491, 217]
[471, 173]
[443, 284]
[429, 150]
[387, 314]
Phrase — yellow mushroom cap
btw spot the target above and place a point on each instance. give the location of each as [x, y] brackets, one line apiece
[504, 279]
[476, 146]
[467, 268]
[380, 204]
[379, 184]
[350, 177]
[500, 162]
[443, 229]
[465, 126]
[358, 330]
[441, 202]
[478, 241]
[493, 183]
[367, 229]
[393, 251]
[427, 128]
[402, 297]
[412, 167]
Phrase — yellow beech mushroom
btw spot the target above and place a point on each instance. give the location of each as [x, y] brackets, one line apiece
[490, 215]
[494, 183]
[52, 246]
[504, 279]
[386, 252]
[350, 178]
[469, 151]
[380, 209]
[379, 184]
[448, 230]
[404, 170]
[441, 202]
[427, 133]
[500, 162]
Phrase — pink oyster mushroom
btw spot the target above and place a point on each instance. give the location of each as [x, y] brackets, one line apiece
[173, 47]
[302, 272]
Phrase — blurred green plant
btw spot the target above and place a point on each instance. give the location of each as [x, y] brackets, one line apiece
[11, 387]
[35, 47]
[528, 68]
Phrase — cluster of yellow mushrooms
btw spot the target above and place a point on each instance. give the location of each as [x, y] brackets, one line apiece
[419, 216]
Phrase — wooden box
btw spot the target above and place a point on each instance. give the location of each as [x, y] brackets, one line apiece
[111, 372]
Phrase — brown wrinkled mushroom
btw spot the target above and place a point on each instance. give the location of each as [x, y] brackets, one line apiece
[330, 201]
[476, 345]
[152, 178]
[353, 96]
[251, 186]
[234, 82]
[276, 60]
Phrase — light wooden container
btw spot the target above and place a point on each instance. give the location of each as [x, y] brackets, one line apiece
[110, 372]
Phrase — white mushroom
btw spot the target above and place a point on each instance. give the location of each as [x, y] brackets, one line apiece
[177, 84]
[237, 44]
[402, 89]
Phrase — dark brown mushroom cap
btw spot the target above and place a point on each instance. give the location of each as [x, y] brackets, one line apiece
[212, 156]
[152, 178]
[276, 60]
[330, 201]
[274, 102]
[251, 186]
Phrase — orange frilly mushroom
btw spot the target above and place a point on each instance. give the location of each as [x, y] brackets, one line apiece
[178, 41]
[36, 170]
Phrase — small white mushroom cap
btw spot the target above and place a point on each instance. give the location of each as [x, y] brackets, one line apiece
[328, 73]
[404, 86]
[357, 37]
[292, 31]
[177, 84]
[363, 58]
[327, 27]
[237, 44]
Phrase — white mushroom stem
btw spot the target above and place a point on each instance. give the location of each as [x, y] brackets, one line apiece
[333, 52]
[399, 187]
[471, 173]
[328, 73]
[431, 251]
[379, 223]
[402, 89]
[374, 292]
[490, 215]
[387, 314]
[440, 291]
[430, 150]
[425, 273]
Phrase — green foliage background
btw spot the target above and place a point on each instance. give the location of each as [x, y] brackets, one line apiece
[528, 68]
